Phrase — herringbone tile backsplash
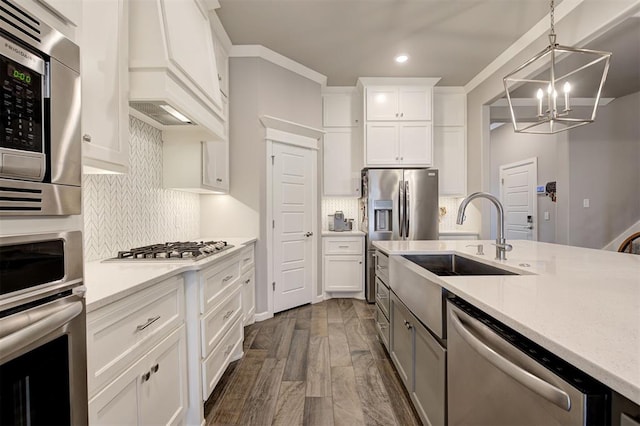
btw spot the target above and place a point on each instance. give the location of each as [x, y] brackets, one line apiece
[125, 211]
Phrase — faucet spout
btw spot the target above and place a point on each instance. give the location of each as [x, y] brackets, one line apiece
[501, 244]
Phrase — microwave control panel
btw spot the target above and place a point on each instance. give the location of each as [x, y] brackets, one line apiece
[21, 78]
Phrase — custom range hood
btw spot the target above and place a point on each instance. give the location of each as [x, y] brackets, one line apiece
[172, 67]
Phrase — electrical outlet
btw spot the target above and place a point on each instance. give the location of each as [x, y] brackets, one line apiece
[547, 216]
[585, 203]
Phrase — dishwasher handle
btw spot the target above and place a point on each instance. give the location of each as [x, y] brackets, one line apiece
[534, 383]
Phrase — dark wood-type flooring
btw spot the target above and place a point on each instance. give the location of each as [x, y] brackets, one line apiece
[317, 364]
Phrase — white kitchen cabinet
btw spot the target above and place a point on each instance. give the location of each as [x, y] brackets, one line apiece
[193, 164]
[402, 103]
[340, 110]
[341, 164]
[449, 140]
[343, 263]
[214, 318]
[247, 280]
[215, 167]
[137, 358]
[67, 10]
[105, 83]
[152, 392]
[399, 144]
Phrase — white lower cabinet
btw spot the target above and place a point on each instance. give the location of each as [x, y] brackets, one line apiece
[343, 263]
[152, 391]
[137, 358]
[216, 313]
[247, 280]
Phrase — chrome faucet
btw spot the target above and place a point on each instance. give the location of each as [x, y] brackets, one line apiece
[501, 244]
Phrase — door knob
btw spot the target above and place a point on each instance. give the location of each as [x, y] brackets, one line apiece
[308, 234]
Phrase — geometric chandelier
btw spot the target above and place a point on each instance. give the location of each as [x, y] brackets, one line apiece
[558, 89]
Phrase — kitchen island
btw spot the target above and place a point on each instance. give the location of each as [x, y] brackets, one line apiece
[581, 304]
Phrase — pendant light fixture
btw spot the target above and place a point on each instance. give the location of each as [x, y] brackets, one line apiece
[558, 89]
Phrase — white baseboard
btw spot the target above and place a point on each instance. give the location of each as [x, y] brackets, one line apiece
[344, 295]
[263, 316]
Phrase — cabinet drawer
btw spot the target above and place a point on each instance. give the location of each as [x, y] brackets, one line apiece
[382, 296]
[217, 322]
[119, 333]
[216, 282]
[334, 245]
[382, 266]
[382, 325]
[214, 365]
[246, 259]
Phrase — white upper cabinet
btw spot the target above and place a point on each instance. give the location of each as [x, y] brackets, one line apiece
[341, 110]
[449, 140]
[215, 167]
[193, 164]
[399, 144]
[105, 82]
[342, 142]
[399, 103]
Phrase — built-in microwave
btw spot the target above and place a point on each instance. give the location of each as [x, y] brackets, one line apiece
[40, 146]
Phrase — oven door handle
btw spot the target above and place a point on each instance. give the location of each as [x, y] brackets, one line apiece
[546, 390]
[20, 330]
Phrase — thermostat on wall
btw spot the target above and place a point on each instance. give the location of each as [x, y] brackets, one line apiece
[540, 189]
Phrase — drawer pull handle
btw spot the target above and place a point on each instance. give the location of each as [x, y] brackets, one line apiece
[145, 377]
[343, 246]
[248, 281]
[155, 368]
[228, 314]
[381, 267]
[148, 323]
[408, 325]
[246, 259]
[227, 278]
[382, 326]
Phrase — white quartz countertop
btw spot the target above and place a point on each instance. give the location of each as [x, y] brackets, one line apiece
[581, 304]
[109, 281]
[355, 232]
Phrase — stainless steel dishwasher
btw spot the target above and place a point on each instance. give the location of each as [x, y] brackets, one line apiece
[498, 377]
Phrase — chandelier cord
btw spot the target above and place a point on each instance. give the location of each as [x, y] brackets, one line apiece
[552, 33]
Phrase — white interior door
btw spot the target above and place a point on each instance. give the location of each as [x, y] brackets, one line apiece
[293, 236]
[518, 196]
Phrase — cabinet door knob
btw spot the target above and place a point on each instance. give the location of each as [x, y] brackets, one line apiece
[402, 114]
[397, 158]
[396, 114]
[145, 377]
[86, 137]
[360, 263]
[218, 180]
[155, 368]
[308, 234]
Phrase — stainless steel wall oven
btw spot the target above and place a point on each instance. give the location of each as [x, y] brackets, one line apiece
[43, 361]
[40, 147]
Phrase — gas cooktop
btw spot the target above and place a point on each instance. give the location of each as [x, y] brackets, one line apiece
[181, 251]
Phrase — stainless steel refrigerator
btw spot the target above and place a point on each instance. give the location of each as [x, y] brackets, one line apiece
[397, 204]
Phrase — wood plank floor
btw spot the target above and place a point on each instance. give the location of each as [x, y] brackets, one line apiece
[317, 364]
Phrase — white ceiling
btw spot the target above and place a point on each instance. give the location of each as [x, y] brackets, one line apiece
[347, 39]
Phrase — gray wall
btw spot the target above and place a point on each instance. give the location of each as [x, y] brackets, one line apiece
[604, 166]
[257, 87]
[509, 147]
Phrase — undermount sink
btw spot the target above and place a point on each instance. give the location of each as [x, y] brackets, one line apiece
[452, 265]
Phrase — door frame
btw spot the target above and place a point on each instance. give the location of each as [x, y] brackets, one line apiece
[290, 133]
[534, 161]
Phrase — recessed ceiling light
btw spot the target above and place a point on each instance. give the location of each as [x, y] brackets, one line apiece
[401, 59]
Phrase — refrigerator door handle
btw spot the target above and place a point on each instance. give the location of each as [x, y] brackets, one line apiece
[400, 208]
[407, 209]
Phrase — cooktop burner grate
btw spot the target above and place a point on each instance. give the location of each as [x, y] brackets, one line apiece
[188, 250]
